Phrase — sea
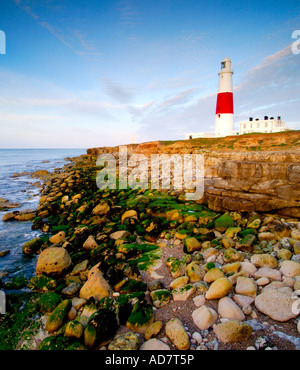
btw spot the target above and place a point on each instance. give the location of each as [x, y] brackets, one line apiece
[20, 189]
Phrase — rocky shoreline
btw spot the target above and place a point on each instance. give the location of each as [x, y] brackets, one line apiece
[146, 269]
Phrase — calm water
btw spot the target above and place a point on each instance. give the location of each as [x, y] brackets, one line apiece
[19, 189]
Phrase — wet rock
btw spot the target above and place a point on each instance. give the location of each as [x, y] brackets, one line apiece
[53, 261]
[232, 255]
[32, 246]
[179, 282]
[58, 316]
[48, 301]
[129, 214]
[245, 244]
[121, 234]
[4, 252]
[223, 222]
[141, 317]
[101, 329]
[74, 329]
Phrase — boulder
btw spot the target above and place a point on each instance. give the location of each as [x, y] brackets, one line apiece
[58, 315]
[96, 286]
[290, 268]
[204, 317]
[219, 288]
[32, 246]
[101, 209]
[183, 293]
[90, 243]
[53, 261]
[126, 341]
[101, 328]
[57, 238]
[246, 286]
[213, 274]
[194, 271]
[160, 297]
[276, 304]
[264, 260]
[223, 222]
[176, 332]
[179, 282]
[153, 330]
[228, 309]
[121, 234]
[129, 214]
[233, 331]
[191, 244]
[268, 272]
[141, 317]
[154, 344]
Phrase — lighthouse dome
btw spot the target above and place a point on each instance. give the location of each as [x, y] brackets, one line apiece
[226, 65]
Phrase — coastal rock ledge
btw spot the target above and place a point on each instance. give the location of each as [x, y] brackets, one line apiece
[246, 173]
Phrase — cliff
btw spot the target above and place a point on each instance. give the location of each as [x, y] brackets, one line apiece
[257, 172]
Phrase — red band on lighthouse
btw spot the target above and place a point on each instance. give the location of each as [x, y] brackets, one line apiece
[224, 103]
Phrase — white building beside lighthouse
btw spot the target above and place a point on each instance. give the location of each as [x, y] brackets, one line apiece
[224, 112]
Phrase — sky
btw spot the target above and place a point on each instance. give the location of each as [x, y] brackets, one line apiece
[82, 74]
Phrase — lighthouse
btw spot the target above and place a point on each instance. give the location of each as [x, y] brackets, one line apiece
[224, 106]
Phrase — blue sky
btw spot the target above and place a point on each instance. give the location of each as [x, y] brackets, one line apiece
[93, 73]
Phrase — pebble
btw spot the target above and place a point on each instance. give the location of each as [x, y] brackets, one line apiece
[197, 337]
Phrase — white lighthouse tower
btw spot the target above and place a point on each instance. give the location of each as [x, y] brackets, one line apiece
[224, 106]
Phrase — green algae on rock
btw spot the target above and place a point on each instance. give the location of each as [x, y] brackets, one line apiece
[141, 317]
[58, 315]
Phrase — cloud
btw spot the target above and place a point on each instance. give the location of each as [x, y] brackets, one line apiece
[270, 88]
[118, 92]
